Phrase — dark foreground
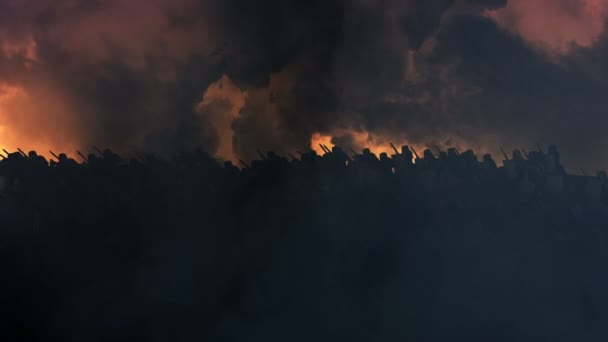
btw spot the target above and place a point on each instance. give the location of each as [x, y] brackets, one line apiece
[315, 249]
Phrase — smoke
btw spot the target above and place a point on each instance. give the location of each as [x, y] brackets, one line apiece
[234, 76]
[561, 25]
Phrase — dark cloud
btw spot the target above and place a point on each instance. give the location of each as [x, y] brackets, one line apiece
[422, 18]
[264, 38]
[525, 97]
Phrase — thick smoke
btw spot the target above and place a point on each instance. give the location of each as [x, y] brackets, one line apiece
[233, 76]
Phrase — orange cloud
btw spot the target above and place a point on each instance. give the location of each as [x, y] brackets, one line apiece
[220, 106]
[23, 123]
[137, 32]
[554, 26]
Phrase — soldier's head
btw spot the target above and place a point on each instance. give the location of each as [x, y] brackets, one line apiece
[337, 149]
[406, 150]
[534, 155]
[452, 153]
[469, 155]
[487, 158]
[553, 151]
[428, 154]
[32, 154]
[108, 154]
[62, 156]
[383, 156]
[367, 151]
[517, 155]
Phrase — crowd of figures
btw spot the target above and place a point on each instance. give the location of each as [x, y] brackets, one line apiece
[332, 247]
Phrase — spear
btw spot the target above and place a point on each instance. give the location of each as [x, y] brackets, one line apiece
[261, 154]
[438, 150]
[504, 153]
[54, 155]
[22, 153]
[98, 150]
[415, 154]
[394, 148]
[244, 164]
[82, 156]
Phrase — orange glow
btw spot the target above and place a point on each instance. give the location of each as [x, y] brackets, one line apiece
[317, 140]
[14, 48]
[221, 104]
[20, 127]
[362, 140]
[554, 26]
[378, 144]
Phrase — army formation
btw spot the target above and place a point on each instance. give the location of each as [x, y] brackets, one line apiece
[345, 245]
[537, 174]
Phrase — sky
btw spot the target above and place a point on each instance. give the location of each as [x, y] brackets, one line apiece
[232, 76]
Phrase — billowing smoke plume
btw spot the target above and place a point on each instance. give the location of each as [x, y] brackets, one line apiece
[232, 76]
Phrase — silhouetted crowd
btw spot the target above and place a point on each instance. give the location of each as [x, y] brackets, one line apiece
[334, 247]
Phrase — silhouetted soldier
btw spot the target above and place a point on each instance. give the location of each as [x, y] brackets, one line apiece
[92, 160]
[111, 157]
[310, 157]
[552, 162]
[517, 156]
[488, 170]
[63, 158]
[274, 158]
[407, 155]
[368, 156]
[488, 163]
[336, 160]
[37, 161]
[428, 159]
[386, 164]
[536, 160]
[452, 154]
[516, 165]
[339, 155]
[231, 169]
[601, 175]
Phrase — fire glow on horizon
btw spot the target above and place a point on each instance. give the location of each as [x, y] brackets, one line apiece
[21, 131]
[362, 140]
